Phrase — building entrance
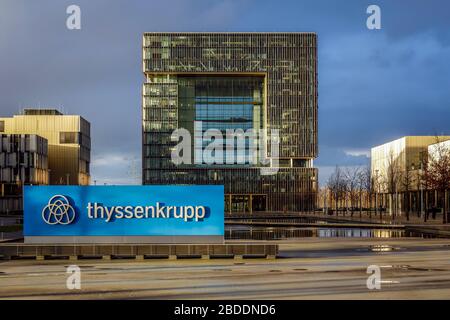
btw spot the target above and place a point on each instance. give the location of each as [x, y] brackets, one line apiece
[245, 203]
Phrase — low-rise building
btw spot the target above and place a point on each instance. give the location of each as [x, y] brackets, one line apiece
[69, 142]
[396, 168]
[23, 160]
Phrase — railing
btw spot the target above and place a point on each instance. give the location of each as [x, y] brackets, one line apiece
[6, 236]
[10, 221]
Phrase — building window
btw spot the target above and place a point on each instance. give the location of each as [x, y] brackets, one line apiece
[2, 126]
[68, 137]
[223, 103]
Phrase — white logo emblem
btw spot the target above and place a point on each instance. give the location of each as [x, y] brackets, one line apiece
[58, 211]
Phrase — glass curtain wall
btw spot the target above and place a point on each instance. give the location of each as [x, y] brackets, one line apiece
[222, 103]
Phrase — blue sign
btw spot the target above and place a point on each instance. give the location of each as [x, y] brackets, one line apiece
[123, 211]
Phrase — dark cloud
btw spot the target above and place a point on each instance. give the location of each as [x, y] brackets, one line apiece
[373, 85]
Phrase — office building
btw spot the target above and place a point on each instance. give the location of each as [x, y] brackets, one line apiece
[391, 161]
[23, 161]
[68, 138]
[396, 170]
[260, 81]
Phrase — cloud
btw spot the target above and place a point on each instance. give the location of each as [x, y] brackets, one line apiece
[374, 86]
[358, 153]
[116, 169]
[375, 89]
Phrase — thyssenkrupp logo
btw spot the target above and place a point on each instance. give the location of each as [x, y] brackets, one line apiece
[58, 211]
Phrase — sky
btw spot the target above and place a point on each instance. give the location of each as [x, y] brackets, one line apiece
[374, 85]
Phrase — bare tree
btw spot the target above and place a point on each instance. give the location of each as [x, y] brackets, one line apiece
[352, 178]
[322, 198]
[424, 185]
[392, 180]
[366, 187]
[377, 187]
[437, 173]
[420, 183]
[337, 186]
[406, 179]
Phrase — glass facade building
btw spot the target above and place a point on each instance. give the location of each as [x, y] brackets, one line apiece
[240, 81]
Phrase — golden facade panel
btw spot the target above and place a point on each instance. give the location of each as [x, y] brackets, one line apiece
[396, 161]
[68, 138]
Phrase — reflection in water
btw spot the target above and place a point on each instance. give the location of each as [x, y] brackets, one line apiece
[263, 233]
[382, 248]
[359, 233]
[286, 220]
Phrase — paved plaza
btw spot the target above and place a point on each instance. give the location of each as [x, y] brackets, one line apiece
[311, 268]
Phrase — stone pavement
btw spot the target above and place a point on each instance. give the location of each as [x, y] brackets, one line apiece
[310, 268]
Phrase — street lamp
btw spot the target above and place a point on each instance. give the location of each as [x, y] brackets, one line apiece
[421, 188]
[376, 192]
[413, 168]
[48, 177]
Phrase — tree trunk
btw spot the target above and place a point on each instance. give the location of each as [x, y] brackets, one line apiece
[360, 203]
[444, 209]
[376, 205]
[336, 200]
[408, 210]
[436, 196]
[383, 198]
[388, 204]
[418, 204]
